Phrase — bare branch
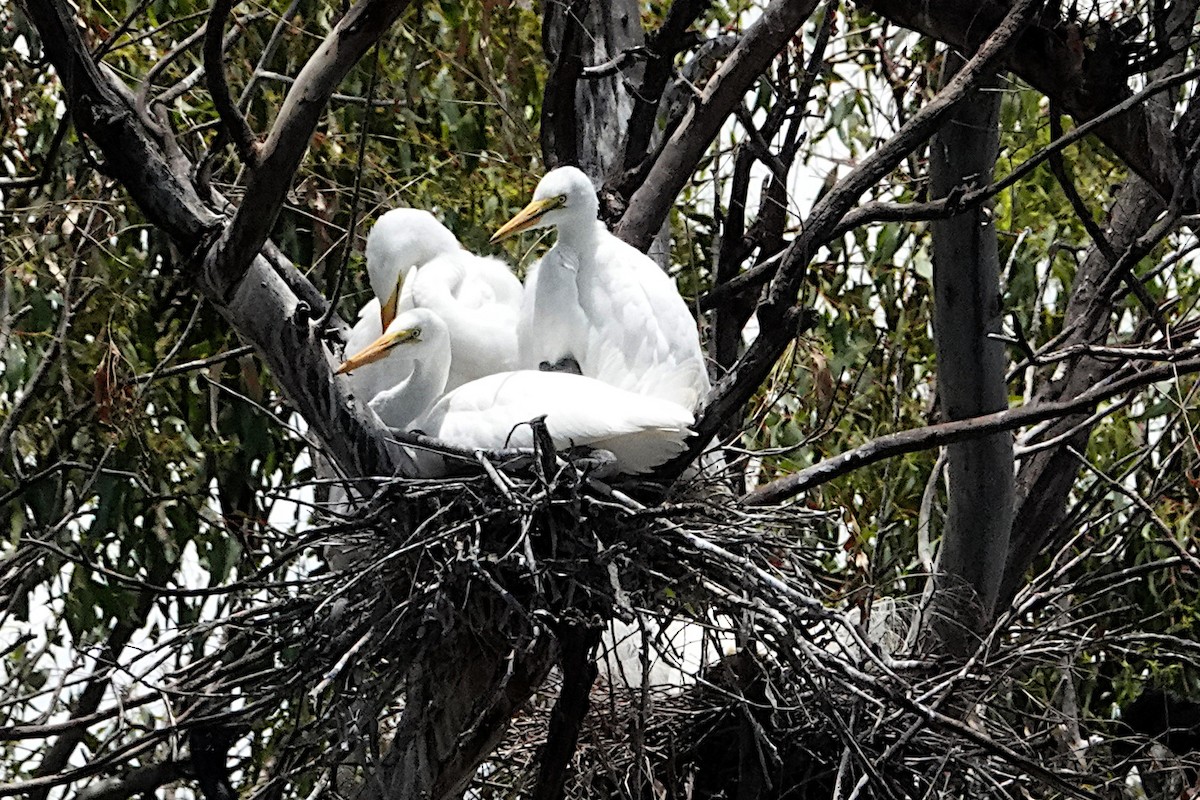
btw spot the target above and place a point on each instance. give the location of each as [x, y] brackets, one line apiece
[233, 123]
[1054, 56]
[263, 309]
[774, 312]
[280, 155]
[663, 45]
[912, 441]
[673, 167]
[883, 211]
[48, 160]
[141, 781]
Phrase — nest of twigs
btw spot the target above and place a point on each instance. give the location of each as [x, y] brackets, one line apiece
[796, 698]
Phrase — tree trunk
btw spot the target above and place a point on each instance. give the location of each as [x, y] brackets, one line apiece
[461, 691]
[584, 118]
[971, 367]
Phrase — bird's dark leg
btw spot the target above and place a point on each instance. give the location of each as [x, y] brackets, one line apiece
[564, 364]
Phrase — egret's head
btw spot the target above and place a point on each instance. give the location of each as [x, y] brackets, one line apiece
[401, 239]
[413, 332]
[564, 195]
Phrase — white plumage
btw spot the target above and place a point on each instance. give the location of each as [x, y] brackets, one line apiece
[399, 240]
[371, 379]
[598, 300]
[493, 412]
[415, 261]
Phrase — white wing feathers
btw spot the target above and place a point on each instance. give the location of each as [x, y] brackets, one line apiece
[642, 337]
[491, 413]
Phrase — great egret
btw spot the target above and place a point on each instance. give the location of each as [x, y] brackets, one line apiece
[414, 261]
[479, 300]
[596, 299]
[490, 413]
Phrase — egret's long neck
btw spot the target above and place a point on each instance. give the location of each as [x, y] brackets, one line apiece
[408, 400]
[579, 234]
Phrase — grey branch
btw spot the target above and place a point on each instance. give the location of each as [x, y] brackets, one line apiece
[264, 308]
[232, 121]
[281, 153]
[775, 312]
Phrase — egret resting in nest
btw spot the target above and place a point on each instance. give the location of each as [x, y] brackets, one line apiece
[415, 261]
[597, 300]
[491, 413]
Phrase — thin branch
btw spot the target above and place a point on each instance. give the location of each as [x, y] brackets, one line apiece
[338, 96]
[912, 441]
[49, 359]
[141, 781]
[663, 45]
[51, 156]
[1059, 168]
[233, 123]
[882, 211]
[1087, 77]
[268, 52]
[265, 311]
[363, 138]
[192, 366]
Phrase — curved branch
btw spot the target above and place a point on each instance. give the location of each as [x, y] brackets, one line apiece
[264, 309]
[1059, 59]
[232, 122]
[912, 441]
[740, 384]
[664, 45]
[649, 205]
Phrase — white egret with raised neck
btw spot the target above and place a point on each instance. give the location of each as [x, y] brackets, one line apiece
[596, 299]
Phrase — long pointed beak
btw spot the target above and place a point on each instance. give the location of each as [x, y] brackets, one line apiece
[378, 349]
[526, 218]
[387, 309]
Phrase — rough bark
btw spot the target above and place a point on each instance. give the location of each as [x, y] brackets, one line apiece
[777, 315]
[970, 370]
[651, 202]
[585, 116]
[1047, 477]
[260, 306]
[1045, 480]
[461, 692]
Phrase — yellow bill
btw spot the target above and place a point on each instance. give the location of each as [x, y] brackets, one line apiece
[387, 309]
[526, 218]
[378, 349]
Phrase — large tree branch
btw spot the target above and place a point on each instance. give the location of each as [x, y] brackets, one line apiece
[263, 309]
[912, 441]
[1083, 70]
[280, 155]
[649, 205]
[776, 310]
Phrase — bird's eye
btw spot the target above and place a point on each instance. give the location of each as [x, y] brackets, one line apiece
[562, 199]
